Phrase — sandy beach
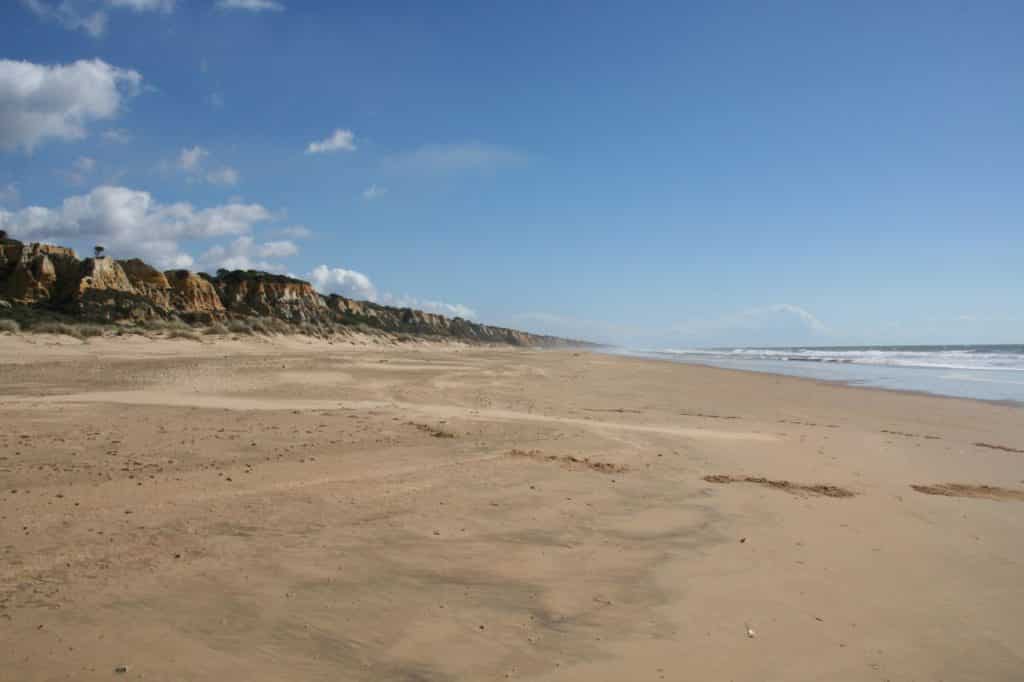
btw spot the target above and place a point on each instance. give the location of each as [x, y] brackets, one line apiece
[293, 510]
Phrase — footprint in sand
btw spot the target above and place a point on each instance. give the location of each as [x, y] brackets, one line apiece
[986, 492]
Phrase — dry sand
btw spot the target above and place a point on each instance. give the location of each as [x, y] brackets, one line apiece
[304, 511]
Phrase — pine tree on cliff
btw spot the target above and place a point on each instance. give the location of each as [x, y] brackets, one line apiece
[98, 251]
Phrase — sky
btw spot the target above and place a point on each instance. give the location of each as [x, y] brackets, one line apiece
[647, 174]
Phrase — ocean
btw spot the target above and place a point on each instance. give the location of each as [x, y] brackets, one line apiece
[987, 372]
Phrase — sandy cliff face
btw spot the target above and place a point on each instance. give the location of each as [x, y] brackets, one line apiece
[102, 274]
[339, 305]
[148, 281]
[256, 293]
[54, 277]
[32, 273]
[102, 289]
[191, 293]
[104, 293]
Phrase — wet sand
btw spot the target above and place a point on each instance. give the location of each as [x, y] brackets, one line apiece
[246, 510]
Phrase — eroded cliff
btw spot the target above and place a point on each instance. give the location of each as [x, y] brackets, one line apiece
[51, 278]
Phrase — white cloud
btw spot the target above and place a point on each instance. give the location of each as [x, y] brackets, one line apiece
[71, 13]
[279, 249]
[69, 17]
[165, 6]
[341, 281]
[356, 285]
[449, 309]
[38, 102]
[133, 223]
[85, 164]
[446, 158]
[251, 5]
[439, 307]
[340, 140]
[245, 254]
[216, 100]
[812, 322]
[297, 232]
[223, 176]
[9, 194]
[374, 192]
[754, 319]
[190, 159]
[117, 135]
[80, 171]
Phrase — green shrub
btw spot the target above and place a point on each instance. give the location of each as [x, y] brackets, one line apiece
[54, 327]
[269, 325]
[309, 329]
[276, 325]
[158, 325]
[216, 329]
[237, 276]
[239, 327]
[9, 326]
[78, 331]
[183, 334]
[88, 331]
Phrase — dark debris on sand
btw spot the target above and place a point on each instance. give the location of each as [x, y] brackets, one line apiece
[788, 486]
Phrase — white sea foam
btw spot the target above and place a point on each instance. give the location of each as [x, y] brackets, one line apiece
[999, 358]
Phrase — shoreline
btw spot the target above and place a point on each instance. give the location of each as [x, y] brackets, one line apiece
[830, 382]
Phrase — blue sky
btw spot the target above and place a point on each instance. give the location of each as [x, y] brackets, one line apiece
[656, 174]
